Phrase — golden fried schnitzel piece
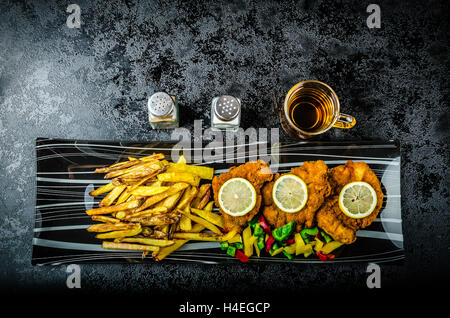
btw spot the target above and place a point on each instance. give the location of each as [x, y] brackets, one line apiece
[257, 173]
[330, 217]
[315, 175]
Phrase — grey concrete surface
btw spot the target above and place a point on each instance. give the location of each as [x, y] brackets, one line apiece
[93, 82]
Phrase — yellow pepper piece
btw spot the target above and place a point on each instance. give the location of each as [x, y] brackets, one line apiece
[291, 249]
[299, 244]
[319, 245]
[255, 244]
[308, 249]
[246, 237]
[331, 246]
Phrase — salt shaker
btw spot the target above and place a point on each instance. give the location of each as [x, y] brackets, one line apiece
[225, 112]
[163, 111]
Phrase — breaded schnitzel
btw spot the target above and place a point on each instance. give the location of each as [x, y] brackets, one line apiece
[315, 175]
[257, 173]
[330, 217]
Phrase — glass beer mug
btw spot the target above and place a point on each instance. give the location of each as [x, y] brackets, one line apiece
[311, 108]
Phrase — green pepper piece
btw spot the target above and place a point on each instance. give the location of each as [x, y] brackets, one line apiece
[258, 230]
[289, 256]
[224, 245]
[261, 243]
[305, 232]
[253, 222]
[284, 231]
[275, 246]
[239, 245]
[327, 238]
[231, 250]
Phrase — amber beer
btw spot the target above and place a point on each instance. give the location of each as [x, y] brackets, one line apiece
[311, 108]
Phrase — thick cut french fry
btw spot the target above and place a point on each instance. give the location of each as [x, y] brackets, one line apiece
[203, 201]
[148, 212]
[177, 187]
[135, 170]
[106, 219]
[203, 172]
[128, 246]
[211, 217]
[115, 208]
[106, 227]
[209, 206]
[185, 224]
[147, 178]
[203, 190]
[201, 221]
[190, 178]
[160, 219]
[235, 239]
[165, 251]
[230, 235]
[142, 172]
[103, 189]
[200, 194]
[117, 234]
[197, 236]
[171, 201]
[123, 196]
[111, 196]
[188, 196]
[149, 190]
[147, 241]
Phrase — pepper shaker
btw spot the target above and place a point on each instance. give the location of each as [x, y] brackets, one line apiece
[163, 111]
[225, 112]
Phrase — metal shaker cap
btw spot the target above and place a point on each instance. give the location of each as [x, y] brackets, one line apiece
[160, 104]
[227, 107]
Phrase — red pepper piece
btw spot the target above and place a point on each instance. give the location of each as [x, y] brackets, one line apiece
[224, 230]
[241, 256]
[324, 257]
[290, 241]
[269, 243]
[264, 225]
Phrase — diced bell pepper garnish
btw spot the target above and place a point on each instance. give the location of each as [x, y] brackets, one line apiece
[264, 225]
[269, 243]
[289, 256]
[239, 245]
[258, 230]
[284, 231]
[241, 256]
[224, 245]
[308, 232]
[231, 250]
[326, 237]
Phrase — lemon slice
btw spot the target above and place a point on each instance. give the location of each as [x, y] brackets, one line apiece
[357, 199]
[237, 197]
[290, 193]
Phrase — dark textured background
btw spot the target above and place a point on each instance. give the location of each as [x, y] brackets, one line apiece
[93, 82]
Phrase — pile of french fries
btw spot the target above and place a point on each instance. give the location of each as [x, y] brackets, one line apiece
[152, 205]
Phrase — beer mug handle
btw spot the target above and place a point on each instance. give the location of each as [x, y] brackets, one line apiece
[345, 121]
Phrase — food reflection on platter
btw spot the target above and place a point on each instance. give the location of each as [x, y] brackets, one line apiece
[153, 205]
